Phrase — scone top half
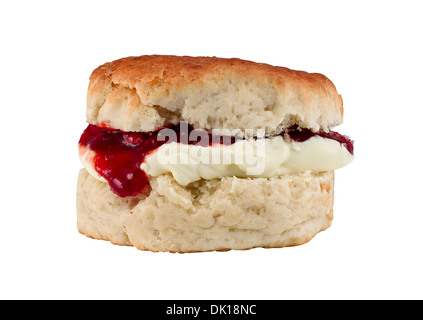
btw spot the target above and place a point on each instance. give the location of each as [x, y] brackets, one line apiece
[294, 111]
[147, 93]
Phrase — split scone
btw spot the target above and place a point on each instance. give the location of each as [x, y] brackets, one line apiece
[188, 154]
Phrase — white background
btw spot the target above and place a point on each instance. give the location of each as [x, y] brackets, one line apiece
[371, 50]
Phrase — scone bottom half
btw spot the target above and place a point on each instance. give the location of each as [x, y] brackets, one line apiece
[219, 214]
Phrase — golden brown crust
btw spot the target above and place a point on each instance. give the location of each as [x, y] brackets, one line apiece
[163, 88]
[159, 72]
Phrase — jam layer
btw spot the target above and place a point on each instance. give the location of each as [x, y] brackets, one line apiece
[119, 154]
[300, 135]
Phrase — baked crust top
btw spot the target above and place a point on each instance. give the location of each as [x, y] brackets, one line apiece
[147, 92]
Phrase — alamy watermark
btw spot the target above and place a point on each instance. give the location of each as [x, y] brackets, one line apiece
[245, 149]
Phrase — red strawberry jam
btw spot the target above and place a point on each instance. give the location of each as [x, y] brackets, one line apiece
[300, 135]
[119, 154]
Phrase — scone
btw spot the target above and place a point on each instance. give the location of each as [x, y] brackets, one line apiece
[190, 154]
